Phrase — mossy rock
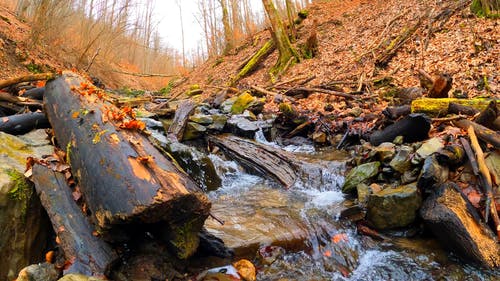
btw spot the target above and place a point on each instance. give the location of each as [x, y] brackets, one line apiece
[242, 102]
[393, 207]
[193, 131]
[360, 174]
[202, 119]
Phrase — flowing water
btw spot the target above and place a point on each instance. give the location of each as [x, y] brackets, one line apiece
[304, 220]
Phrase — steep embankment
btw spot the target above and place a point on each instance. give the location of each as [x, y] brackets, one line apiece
[436, 36]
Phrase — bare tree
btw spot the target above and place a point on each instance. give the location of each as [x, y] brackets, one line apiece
[287, 53]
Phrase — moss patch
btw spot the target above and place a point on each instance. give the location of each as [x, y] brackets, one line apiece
[21, 191]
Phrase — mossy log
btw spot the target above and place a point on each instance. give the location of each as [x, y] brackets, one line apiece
[254, 61]
[124, 178]
[176, 130]
[88, 254]
[440, 107]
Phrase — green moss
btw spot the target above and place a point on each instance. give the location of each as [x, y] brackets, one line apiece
[185, 239]
[242, 102]
[167, 89]
[34, 68]
[218, 61]
[485, 11]
[126, 91]
[21, 191]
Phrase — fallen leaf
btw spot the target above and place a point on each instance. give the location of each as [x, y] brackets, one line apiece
[327, 253]
[340, 237]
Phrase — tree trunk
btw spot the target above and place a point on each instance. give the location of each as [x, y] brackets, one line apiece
[228, 33]
[287, 53]
[124, 178]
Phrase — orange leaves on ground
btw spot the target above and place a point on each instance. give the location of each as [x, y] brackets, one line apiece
[340, 237]
[327, 253]
[133, 125]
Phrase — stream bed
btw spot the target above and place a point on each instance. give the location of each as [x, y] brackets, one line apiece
[316, 244]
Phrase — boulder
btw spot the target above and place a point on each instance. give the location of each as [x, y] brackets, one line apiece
[24, 225]
[457, 226]
[428, 147]
[203, 119]
[393, 207]
[360, 174]
[193, 131]
[432, 174]
[219, 122]
[240, 126]
[385, 151]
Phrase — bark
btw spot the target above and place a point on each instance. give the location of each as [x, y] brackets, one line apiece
[413, 128]
[23, 123]
[455, 108]
[89, 254]
[124, 178]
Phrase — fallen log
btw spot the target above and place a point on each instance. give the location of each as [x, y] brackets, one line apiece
[85, 253]
[396, 112]
[440, 107]
[123, 177]
[20, 100]
[35, 93]
[26, 78]
[413, 128]
[264, 160]
[455, 108]
[482, 132]
[23, 123]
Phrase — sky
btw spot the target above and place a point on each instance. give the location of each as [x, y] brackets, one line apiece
[167, 16]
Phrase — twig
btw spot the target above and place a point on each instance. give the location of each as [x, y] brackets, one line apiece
[319, 90]
[486, 179]
[92, 60]
[451, 118]
[290, 80]
[26, 78]
[264, 91]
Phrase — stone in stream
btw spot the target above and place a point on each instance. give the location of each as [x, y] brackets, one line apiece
[360, 174]
[393, 207]
[259, 216]
[203, 119]
[193, 131]
[24, 226]
[432, 175]
[428, 147]
[457, 226]
[240, 126]
[385, 151]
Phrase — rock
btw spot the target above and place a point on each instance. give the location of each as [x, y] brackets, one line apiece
[432, 175]
[402, 162]
[456, 225]
[193, 131]
[38, 272]
[79, 277]
[196, 164]
[428, 147]
[355, 111]
[385, 151]
[360, 174]
[249, 115]
[202, 119]
[24, 225]
[319, 137]
[219, 122]
[363, 191]
[227, 105]
[393, 207]
[242, 127]
[406, 95]
[242, 102]
[268, 254]
[152, 123]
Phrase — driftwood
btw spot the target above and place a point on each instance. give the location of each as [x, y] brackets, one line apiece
[265, 160]
[123, 177]
[482, 132]
[176, 130]
[440, 107]
[86, 253]
[23, 123]
[26, 78]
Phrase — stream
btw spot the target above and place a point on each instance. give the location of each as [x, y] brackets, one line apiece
[304, 220]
